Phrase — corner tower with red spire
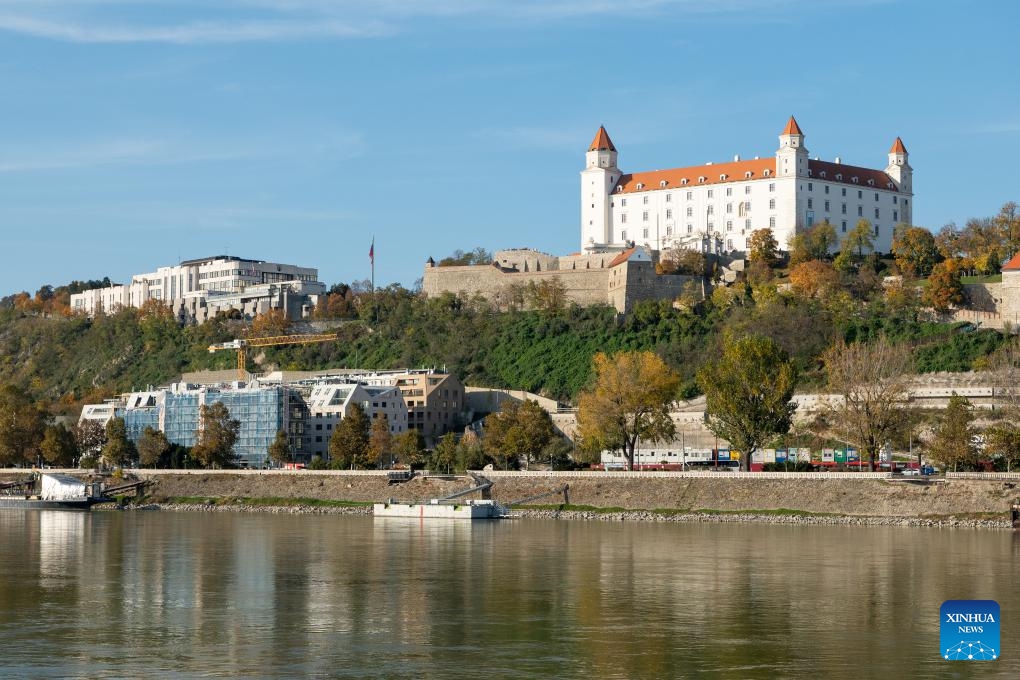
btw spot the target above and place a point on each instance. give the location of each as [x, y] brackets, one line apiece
[598, 178]
[903, 175]
[792, 156]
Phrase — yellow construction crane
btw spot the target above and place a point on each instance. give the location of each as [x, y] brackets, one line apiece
[241, 345]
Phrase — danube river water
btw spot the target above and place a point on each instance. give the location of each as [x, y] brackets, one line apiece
[165, 595]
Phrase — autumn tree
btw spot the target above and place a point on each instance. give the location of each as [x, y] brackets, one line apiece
[471, 452]
[861, 237]
[90, 435]
[814, 279]
[1008, 224]
[279, 451]
[945, 287]
[22, 426]
[152, 446]
[380, 442]
[119, 450]
[763, 247]
[915, 251]
[444, 454]
[685, 261]
[1003, 442]
[628, 401]
[348, 447]
[813, 244]
[519, 430]
[269, 323]
[409, 446]
[216, 436]
[548, 295]
[748, 392]
[953, 441]
[871, 383]
[58, 446]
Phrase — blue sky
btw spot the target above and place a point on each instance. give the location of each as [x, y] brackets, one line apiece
[137, 134]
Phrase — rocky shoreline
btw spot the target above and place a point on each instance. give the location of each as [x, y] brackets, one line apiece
[594, 516]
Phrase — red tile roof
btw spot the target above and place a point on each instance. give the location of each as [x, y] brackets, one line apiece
[602, 142]
[830, 170]
[733, 172]
[792, 128]
[1013, 265]
[898, 147]
[622, 257]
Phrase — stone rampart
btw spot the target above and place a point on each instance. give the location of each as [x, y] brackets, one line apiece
[583, 286]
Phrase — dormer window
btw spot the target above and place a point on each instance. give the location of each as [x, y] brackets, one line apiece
[683, 181]
[839, 176]
[809, 172]
[619, 188]
[822, 174]
[871, 182]
[640, 185]
[767, 172]
[722, 178]
[701, 180]
[889, 185]
[747, 175]
[662, 184]
[854, 180]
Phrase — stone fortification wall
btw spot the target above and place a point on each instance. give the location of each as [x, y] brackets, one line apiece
[585, 287]
[631, 282]
[526, 260]
[866, 497]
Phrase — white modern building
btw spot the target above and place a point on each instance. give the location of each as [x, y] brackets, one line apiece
[198, 289]
[718, 205]
[330, 402]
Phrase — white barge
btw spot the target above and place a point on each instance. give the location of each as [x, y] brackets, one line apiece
[437, 509]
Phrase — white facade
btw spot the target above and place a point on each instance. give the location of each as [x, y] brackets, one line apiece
[196, 289]
[330, 402]
[722, 203]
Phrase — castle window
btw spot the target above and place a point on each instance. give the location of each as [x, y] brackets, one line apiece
[810, 204]
[822, 175]
[623, 202]
[747, 189]
[895, 200]
[710, 192]
[860, 211]
[844, 226]
[876, 213]
[669, 230]
[684, 182]
[669, 198]
[722, 178]
[871, 183]
[860, 195]
[644, 232]
[644, 200]
[690, 211]
[876, 231]
[711, 210]
[904, 203]
[644, 216]
[772, 222]
[747, 224]
[640, 185]
[895, 216]
[844, 208]
[810, 186]
[701, 180]
[767, 172]
[876, 197]
[690, 228]
[729, 190]
[772, 204]
[729, 225]
[669, 213]
[809, 172]
[623, 235]
[772, 187]
[854, 180]
[729, 207]
[690, 195]
[748, 176]
[623, 218]
[826, 188]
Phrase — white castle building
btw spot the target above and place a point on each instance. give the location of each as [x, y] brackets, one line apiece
[197, 289]
[716, 206]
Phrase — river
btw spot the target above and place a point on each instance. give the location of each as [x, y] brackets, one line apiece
[180, 595]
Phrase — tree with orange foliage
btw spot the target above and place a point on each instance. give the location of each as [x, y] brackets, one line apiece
[814, 279]
[269, 323]
[945, 290]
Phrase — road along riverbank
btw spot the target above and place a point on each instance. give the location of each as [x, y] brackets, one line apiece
[821, 498]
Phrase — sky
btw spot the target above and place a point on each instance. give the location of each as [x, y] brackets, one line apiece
[136, 134]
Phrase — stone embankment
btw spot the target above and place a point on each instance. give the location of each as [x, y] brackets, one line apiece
[817, 499]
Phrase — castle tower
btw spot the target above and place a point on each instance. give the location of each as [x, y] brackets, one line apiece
[598, 178]
[792, 156]
[899, 167]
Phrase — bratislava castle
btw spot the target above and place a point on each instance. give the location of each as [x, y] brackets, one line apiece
[716, 206]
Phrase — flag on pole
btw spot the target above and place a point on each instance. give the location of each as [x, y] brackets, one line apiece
[371, 252]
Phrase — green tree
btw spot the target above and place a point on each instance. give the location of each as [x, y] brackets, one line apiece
[380, 442]
[444, 454]
[22, 426]
[348, 447]
[748, 392]
[861, 237]
[915, 251]
[279, 450]
[1003, 441]
[152, 446]
[118, 450]
[813, 244]
[871, 381]
[628, 401]
[90, 435]
[471, 453]
[216, 436]
[520, 430]
[953, 442]
[58, 446]
[763, 247]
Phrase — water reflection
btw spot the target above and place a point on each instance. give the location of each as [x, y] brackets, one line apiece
[225, 595]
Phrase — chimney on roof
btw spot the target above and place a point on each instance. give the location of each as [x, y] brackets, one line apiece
[755, 158]
[736, 158]
[838, 160]
[708, 163]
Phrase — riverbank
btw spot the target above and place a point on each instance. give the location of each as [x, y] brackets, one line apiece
[598, 497]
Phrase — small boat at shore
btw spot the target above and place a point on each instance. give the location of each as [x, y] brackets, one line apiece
[51, 492]
[437, 509]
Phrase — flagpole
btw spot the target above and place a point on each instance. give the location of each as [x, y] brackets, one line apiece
[373, 264]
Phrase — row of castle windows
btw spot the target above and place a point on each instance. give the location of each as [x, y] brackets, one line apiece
[729, 227]
[690, 195]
